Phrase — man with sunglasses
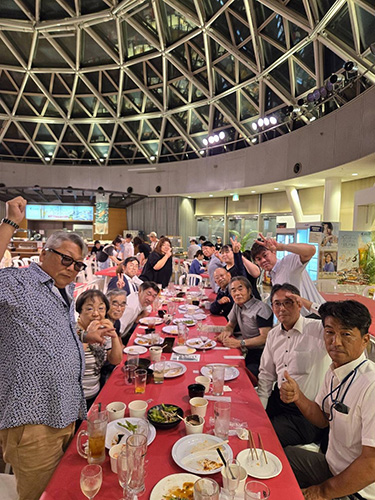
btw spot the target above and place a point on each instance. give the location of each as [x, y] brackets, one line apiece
[41, 356]
[296, 344]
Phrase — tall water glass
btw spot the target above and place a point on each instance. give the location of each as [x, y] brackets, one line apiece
[132, 359]
[91, 480]
[222, 419]
[255, 490]
[231, 479]
[122, 472]
[206, 489]
[218, 377]
[136, 447]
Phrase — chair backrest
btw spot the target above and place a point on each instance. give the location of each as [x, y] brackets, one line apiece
[26, 261]
[193, 279]
[369, 291]
[16, 262]
[34, 258]
[186, 266]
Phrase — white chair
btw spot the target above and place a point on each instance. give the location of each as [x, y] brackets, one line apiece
[16, 262]
[26, 261]
[190, 280]
[8, 487]
[34, 258]
[186, 266]
[368, 291]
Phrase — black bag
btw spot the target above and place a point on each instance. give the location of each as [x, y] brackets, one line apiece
[102, 256]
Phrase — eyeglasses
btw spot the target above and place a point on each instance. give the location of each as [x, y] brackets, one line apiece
[67, 261]
[90, 309]
[287, 304]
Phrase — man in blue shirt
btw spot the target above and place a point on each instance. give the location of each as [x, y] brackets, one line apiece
[223, 303]
[41, 356]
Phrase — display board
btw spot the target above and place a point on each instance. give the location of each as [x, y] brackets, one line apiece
[60, 212]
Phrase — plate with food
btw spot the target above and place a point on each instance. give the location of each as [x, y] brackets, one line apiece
[197, 316]
[148, 340]
[165, 415]
[119, 430]
[185, 321]
[197, 453]
[151, 321]
[256, 466]
[170, 329]
[135, 349]
[175, 486]
[197, 343]
[184, 349]
[231, 372]
[184, 308]
[172, 369]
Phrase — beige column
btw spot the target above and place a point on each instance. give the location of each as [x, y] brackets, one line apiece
[294, 203]
[332, 199]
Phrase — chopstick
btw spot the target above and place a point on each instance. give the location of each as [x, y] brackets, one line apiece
[215, 445]
[252, 445]
[225, 463]
[261, 445]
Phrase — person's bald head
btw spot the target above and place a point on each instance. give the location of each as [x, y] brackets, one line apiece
[222, 277]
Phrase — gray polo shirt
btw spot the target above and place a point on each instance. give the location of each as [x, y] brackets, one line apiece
[254, 314]
[213, 264]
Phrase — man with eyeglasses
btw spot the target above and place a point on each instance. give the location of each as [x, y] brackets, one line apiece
[296, 344]
[41, 356]
[139, 305]
[126, 277]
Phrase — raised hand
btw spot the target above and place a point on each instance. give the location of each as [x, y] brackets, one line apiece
[236, 245]
[294, 298]
[269, 243]
[289, 390]
[15, 209]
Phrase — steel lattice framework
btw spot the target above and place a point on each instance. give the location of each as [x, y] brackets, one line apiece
[112, 82]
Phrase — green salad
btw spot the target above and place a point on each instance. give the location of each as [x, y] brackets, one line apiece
[163, 413]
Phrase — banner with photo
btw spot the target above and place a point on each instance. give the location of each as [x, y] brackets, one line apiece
[356, 262]
[101, 216]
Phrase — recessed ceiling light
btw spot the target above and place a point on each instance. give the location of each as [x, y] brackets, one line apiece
[253, 191]
[276, 189]
[189, 196]
[354, 174]
[231, 194]
[210, 195]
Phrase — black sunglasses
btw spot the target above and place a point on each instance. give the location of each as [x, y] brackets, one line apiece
[67, 261]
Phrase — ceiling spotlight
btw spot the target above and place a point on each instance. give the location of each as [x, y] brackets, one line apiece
[205, 142]
[211, 139]
[222, 135]
[312, 118]
[316, 94]
[354, 174]
[329, 86]
[47, 158]
[210, 195]
[350, 67]
[323, 92]
[201, 152]
[189, 196]
[101, 160]
[152, 157]
[290, 109]
[273, 120]
[254, 126]
[216, 138]
[310, 97]
[260, 122]
[300, 102]
[276, 189]
[254, 140]
[253, 192]
[50, 153]
[266, 122]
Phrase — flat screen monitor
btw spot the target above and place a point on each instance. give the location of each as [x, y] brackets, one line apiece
[60, 212]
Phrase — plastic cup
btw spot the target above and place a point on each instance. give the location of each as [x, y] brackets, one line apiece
[140, 380]
[137, 408]
[205, 381]
[129, 371]
[222, 419]
[115, 410]
[196, 390]
[218, 376]
[198, 406]
[159, 369]
[255, 490]
[194, 427]
[155, 353]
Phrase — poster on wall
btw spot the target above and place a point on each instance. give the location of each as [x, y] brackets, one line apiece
[316, 234]
[101, 216]
[356, 261]
[330, 234]
[327, 263]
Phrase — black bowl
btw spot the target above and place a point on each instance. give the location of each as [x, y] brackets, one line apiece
[165, 425]
[143, 363]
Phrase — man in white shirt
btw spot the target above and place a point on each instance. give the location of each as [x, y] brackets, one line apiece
[126, 277]
[345, 403]
[192, 249]
[138, 306]
[153, 240]
[296, 344]
[210, 252]
[290, 269]
[128, 247]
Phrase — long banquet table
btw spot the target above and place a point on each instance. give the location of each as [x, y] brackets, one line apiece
[245, 408]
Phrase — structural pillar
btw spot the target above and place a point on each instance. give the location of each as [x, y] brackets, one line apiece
[294, 203]
[332, 199]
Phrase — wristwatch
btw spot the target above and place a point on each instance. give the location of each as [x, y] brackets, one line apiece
[242, 343]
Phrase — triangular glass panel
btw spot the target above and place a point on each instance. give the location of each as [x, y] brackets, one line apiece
[173, 72]
[127, 150]
[297, 6]
[178, 25]
[366, 25]
[275, 30]
[51, 10]
[281, 75]
[247, 110]
[197, 61]
[174, 100]
[219, 119]
[108, 128]
[63, 103]
[10, 10]
[156, 123]
[59, 87]
[176, 146]
[46, 56]
[221, 83]
[97, 134]
[31, 86]
[108, 32]
[92, 54]
[324, 6]
[341, 27]
[37, 101]
[179, 54]
[204, 111]
[18, 148]
[241, 32]
[306, 55]
[182, 86]
[84, 129]
[197, 94]
[272, 100]
[196, 124]
[147, 133]
[190, 4]
[61, 153]
[331, 62]
[7, 57]
[88, 102]
[303, 81]
[93, 6]
[69, 79]
[245, 73]
[52, 111]
[68, 44]
[248, 49]
[212, 6]
[108, 85]
[13, 133]
[134, 42]
[217, 50]
[146, 17]
[56, 129]
[136, 98]
[121, 136]
[230, 103]
[271, 53]
[29, 127]
[221, 25]
[170, 131]
[44, 134]
[228, 66]
[182, 118]
[134, 126]
[261, 13]
[127, 107]
[152, 77]
[158, 94]
[6, 84]
[78, 111]
[103, 109]
[70, 136]
[296, 34]
[239, 7]
[17, 77]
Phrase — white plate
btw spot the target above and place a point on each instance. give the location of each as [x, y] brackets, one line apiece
[184, 308]
[184, 447]
[114, 429]
[171, 329]
[146, 340]
[135, 349]
[172, 369]
[185, 321]
[199, 316]
[258, 468]
[170, 483]
[197, 343]
[231, 372]
[146, 321]
[184, 349]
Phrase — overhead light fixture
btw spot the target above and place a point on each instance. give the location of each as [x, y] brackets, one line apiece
[211, 139]
[254, 126]
[47, 158]
[354, 174]
[216, 138]
[152, 157]
[235, 197]
[260, 122]
[350, 67]
[189, 196]
[276, 189]
[266, 121]
[210, 195]
[253, 192]
[101, 160]
[254, 140]
[273, 120]
[222, 135]
[205, 142]
[201, 152]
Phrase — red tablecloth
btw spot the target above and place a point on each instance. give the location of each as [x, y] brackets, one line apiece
[246, 407]
[110, 271]
[369, 303]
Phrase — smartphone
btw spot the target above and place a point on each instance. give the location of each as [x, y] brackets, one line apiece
[168, 342]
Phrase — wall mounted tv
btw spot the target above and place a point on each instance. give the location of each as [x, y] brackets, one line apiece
[60, 212]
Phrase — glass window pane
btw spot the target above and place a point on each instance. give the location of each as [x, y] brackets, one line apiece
[340, 26]
[275, 30]
[306, 55]
[303, 80]
[366, 25]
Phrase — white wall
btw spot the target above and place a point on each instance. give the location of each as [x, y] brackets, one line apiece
[346, 135]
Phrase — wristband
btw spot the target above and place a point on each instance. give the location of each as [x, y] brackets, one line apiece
[10, 222]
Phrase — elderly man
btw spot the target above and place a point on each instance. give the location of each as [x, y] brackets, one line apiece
[211, 253]
[345, 403]
[117, 304]
[290, 269]
[192, 249]
[296, 344]
[41, 356]
[254, 319]
[223, 303]
[138, 306]
[153, 240]
[126, 276]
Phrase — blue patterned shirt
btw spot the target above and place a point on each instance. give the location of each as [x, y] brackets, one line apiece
[41, 356]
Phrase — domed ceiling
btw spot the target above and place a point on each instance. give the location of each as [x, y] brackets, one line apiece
[107, 82]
